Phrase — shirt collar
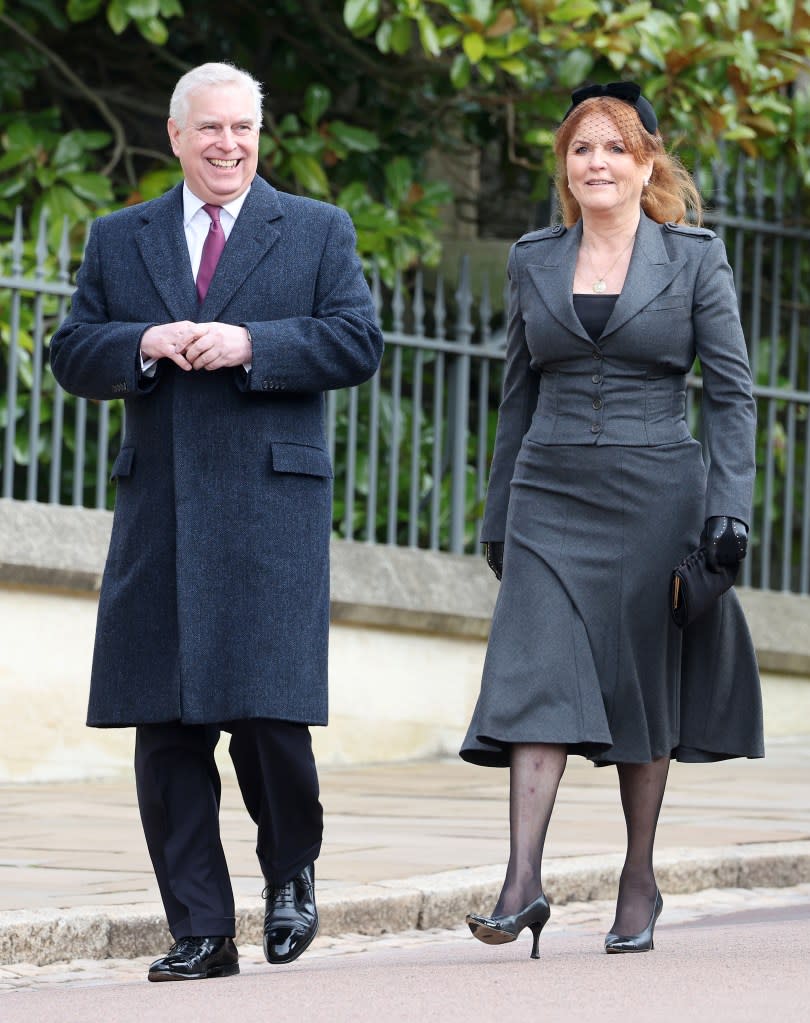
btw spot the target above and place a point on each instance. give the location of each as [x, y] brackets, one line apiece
[192, 204]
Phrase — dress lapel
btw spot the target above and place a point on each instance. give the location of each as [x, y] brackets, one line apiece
[651, 270]
[553, 277]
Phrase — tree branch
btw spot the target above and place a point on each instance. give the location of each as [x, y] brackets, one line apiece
[519, 161]
[77, 83]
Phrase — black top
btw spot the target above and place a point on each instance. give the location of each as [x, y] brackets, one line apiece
[594, 312]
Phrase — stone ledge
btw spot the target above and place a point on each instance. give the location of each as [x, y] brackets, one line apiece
[63, 548]
[40, 937]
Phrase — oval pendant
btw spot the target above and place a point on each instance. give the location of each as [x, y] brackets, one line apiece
[599, 286]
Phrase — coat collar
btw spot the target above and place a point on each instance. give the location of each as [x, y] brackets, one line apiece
[162, 243]
[650, 271]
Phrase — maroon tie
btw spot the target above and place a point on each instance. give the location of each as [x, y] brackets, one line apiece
[212, 250]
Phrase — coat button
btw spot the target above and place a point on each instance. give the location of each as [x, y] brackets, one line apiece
[596, 378]
[597, 355]
[596, 428]
[597, 403]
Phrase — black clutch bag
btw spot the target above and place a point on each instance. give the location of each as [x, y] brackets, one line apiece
[694, 587]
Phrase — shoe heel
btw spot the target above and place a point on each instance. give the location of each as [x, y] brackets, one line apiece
[536, 930]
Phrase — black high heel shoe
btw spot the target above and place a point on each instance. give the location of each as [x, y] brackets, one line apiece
[498, 930]
[642, 942]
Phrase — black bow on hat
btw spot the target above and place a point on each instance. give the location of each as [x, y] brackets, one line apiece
[628, 92]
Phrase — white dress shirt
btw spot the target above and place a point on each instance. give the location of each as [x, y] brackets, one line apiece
[196, 224]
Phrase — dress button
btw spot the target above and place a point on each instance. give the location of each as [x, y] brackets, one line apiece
[597, 355]
[595, 428]
[596, 378]
[597, 403]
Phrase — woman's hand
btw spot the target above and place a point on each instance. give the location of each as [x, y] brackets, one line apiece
[726, 541]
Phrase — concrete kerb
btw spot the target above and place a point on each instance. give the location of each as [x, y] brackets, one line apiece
[439, 900]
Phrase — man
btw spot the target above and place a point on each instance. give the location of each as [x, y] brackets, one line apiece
[220, 312]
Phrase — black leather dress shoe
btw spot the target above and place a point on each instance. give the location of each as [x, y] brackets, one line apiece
[197, 959]
[290, 917]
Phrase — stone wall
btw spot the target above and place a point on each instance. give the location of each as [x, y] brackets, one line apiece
[406, 649]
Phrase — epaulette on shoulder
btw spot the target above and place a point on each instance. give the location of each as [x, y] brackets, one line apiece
[689, 230]
[547, 232]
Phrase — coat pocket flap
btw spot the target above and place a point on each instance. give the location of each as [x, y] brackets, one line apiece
[122, 466]
[300, 458]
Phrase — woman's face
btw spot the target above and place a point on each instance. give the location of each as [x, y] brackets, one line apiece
[602, 175]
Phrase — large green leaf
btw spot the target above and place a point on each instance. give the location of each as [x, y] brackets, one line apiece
[360, 16]
[398, 178]
[137, 9]
[474, 47]
[460, 72]
[93, 187]
[573, 11]
[12, 187]
[82, 10]
[401, 35]
[316, 102]
[61, 202]
[153, 29]
[309, 174]
[359, 140]
[428, 36]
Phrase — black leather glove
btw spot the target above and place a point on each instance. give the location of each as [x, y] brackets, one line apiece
[494, 553]
[725, 540]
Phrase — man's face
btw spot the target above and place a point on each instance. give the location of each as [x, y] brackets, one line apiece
[218, 148]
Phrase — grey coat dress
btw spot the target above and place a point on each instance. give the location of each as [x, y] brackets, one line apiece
[598, 489]
[215, 598]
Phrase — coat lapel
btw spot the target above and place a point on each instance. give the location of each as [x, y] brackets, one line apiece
[554, 278]
[162, 245]
[651, 270]
[252, 237]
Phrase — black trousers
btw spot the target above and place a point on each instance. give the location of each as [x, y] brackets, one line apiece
[179, 790]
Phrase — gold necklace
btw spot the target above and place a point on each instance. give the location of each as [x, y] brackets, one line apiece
[599, 284]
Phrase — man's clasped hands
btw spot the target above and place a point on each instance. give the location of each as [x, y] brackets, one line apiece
[198, 345]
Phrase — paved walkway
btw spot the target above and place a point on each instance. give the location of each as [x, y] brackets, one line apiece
[406, 845]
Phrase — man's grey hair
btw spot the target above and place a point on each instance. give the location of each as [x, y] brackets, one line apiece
[211, 74]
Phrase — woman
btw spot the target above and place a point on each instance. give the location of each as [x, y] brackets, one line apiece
[597, 490]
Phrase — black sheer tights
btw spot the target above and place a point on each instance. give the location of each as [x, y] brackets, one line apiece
[534, 777]
[642, 791]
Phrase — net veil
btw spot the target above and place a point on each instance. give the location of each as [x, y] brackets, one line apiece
[604, 121]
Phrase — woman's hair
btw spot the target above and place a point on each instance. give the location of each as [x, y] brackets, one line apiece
[671, 192]
[212, 74]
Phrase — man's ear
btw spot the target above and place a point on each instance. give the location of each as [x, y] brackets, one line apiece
[173, 129]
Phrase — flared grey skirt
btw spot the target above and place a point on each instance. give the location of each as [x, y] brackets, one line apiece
[583, 649]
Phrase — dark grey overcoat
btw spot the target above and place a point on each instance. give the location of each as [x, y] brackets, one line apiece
[215, 598]
[598, 489]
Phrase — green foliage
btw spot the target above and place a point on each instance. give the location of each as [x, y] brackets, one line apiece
[719, 70]
[359, 88]
[51, 169]
[80, 159]
[148, 16]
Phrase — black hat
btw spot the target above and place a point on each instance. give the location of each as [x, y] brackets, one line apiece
[628, 92]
